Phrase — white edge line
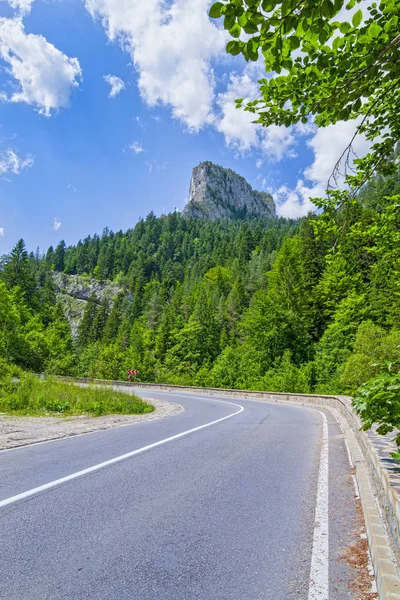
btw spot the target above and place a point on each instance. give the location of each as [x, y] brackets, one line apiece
[319, 571]
[356, 490]
[348, 454]
[112, 461]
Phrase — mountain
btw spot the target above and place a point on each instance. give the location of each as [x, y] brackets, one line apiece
[218, 193]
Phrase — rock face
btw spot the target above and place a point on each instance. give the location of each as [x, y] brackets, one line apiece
[73, 291]
[218, 193]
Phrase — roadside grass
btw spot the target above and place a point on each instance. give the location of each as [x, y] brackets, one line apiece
[25, 394]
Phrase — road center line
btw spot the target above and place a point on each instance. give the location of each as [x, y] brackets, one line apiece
[319, 573]
[52, 484]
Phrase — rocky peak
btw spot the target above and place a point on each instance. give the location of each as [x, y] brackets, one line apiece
[218, 193]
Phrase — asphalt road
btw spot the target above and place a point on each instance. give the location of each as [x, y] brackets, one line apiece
[225, 512]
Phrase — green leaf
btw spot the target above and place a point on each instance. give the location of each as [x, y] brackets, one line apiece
[391, 24]
[344, 27]
[323, 36]
[235, 30]
[250, 28]
[374, 30]
[242, 20]
[294, 42]
[328, 8]
[285, 9]
[233, 47]
[357, 18]
[229, 21]
[350, 4]
[216, 10]
[338, 5]
[268, 5]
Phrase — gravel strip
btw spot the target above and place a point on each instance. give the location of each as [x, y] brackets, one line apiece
[21, 431]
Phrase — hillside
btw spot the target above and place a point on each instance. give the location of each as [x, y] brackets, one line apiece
[309, 305]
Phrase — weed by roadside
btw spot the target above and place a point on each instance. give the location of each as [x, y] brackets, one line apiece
[25, 394]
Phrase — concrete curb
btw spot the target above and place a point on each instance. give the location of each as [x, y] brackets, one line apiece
[380, 503]
[386, 572]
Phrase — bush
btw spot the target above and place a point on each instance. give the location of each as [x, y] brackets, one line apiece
[373, 347]
[378, 401]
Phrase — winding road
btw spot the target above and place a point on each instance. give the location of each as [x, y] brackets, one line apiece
[228, 500]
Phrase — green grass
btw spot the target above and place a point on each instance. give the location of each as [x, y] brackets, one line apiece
[24, 394]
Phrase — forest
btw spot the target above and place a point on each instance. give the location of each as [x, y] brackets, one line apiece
[308, 305]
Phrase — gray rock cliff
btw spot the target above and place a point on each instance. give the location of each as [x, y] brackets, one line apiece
[218, 193]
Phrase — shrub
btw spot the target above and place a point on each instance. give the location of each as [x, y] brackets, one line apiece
[378, 401]
[30, 395]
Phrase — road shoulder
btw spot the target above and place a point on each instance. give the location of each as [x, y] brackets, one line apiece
[22, 431]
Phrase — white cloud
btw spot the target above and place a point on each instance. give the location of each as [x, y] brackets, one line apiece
[172, 45]
[237, 125]
[136, 147]
[328, 144]
[10, 162]
[23, 7]
[2, 231]
[296, 202]
[45, 76]
[277, 142]
[116, 84]
[56, 223]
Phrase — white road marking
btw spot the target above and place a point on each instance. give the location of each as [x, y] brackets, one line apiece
[348, 454]
[319, 573]
[112, 461]
[356, 490]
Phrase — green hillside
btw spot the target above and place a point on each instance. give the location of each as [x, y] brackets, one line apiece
[300, 306]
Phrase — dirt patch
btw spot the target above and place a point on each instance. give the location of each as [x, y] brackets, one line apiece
[20, 431]
[357, 556]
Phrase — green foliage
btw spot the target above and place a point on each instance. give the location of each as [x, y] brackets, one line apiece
[378, 401]
[308, 306]
[332, 64]
[24, 394]
[373, 346]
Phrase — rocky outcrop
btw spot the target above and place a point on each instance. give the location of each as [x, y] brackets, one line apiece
[73, 291]
[218, 193]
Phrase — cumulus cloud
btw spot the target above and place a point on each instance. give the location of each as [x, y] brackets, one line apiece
[116, 84]
[277, 142]
[2, 231]
[23, 7]
[171, 45]
[136, 147]
[10, 162]
[328, 144]
[44, 75]
[237, 125]
[56, 223]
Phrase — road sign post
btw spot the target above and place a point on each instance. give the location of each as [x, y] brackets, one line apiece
[132, 372]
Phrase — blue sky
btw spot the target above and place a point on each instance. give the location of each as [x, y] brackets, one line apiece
[78, 154]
